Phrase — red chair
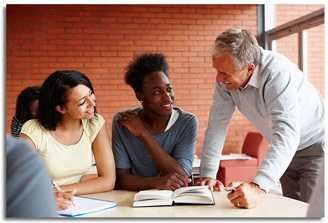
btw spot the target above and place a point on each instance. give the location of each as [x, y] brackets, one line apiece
[244, 170]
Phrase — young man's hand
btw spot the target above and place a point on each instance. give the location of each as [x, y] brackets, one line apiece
[132, 122]
[246, 195]
[213, 184]
[172, 181]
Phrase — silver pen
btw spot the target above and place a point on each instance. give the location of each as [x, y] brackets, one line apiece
[57, 187]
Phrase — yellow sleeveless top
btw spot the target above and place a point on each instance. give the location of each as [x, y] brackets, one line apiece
[66, 164]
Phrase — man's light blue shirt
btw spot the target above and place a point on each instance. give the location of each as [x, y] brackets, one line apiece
[281, 103]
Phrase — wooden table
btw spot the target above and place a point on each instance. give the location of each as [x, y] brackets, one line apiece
[273, 206]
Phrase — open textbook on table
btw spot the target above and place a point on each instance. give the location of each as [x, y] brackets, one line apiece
[83, 205]
[183, 195]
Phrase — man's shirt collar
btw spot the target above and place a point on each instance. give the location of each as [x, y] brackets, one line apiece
[253, 81]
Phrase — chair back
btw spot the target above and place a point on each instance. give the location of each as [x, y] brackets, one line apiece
[255, 145]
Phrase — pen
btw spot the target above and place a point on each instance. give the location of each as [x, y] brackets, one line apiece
[230, 189]
[57, 187]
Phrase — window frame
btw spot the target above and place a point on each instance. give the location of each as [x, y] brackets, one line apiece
[299, 26]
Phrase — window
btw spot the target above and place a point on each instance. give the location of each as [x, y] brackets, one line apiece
[300, 39]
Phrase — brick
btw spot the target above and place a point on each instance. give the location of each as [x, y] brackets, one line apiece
[100, 40]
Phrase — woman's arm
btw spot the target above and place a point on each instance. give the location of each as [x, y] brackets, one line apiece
[105, 180]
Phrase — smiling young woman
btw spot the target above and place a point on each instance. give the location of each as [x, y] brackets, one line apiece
[69, 134]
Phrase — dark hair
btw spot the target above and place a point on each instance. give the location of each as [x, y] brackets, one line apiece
[54, 92]
[24, 101]
[142, 66]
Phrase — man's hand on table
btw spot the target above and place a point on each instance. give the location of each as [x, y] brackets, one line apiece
[246, 195]
[213, 184]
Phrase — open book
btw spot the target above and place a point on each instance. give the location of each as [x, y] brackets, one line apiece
[83, 205]
[183, 195]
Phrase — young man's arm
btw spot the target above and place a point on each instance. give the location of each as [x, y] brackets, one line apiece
[127, 181]
[185, 145]
[163, 161]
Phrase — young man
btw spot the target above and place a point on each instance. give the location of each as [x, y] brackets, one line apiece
[153, 145]
[274, 95]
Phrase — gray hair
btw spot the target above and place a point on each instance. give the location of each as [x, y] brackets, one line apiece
[241, 45]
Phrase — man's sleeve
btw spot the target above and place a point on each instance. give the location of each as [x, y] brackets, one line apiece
[280, 94]
[121, 157]
[220, 115]
[184, 150]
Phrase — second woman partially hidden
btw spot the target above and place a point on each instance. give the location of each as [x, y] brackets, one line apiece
[68, 133]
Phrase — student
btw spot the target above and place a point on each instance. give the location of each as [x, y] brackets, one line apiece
[28, 188]
[154, 144]
[69, 132]
[274, 95]
[26, 108]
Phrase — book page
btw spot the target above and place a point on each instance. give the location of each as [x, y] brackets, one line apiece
[190, 189]
[153, 195]
[148, 198]
[194, 195]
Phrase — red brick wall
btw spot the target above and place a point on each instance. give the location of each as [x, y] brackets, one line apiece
[101, 40]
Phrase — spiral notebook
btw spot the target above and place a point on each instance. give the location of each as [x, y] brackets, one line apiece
[83, 205]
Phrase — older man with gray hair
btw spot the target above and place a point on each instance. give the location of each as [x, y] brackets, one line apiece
[277, 98]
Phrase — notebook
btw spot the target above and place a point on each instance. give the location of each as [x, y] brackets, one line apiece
[83, 205]
[183, 195]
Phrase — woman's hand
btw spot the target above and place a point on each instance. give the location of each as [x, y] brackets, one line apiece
[64, 199]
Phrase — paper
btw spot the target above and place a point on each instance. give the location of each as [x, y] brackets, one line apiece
[236, 156]
[196, 167]
[83, 205]
[196, 162]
